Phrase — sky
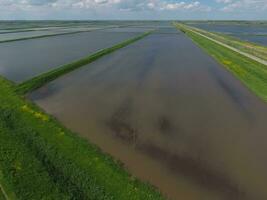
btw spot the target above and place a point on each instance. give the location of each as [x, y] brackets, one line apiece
[133, 9]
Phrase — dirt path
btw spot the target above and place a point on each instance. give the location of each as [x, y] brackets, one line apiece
[233, 49]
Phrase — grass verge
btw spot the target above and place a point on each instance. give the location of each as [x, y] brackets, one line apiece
[40, 159]
[44, 78]
[254, 49]
[251, 73]
[245, 46]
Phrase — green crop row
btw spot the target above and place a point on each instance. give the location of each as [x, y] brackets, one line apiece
[44, 78]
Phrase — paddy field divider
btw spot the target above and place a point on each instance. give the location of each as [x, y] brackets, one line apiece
[51, 35]
[251, 72]
[42, 79]
[43, 36]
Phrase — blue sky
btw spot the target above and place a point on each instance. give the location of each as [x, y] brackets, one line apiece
[133, 9]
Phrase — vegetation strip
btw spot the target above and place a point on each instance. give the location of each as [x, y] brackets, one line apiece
[42, 79]
[41, 159]
[233, 41]
[252, 73]
[5, 192]
[21, 171]
[257, 50]
[43, 36]
[55, 34]
[18, 31]
[196, 31]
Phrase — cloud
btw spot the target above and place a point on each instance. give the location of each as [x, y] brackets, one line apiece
[160, 5]
[126, 5]
[41, 2]
[24, 4]
[224, 1]
[180, 5]
[243, 5]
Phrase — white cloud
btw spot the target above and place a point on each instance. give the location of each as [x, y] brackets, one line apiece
[243, 5]
[224, 1]
[161, 5]
[130, 5]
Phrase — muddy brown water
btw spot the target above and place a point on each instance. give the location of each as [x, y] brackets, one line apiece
[21, 60]
[172, 115]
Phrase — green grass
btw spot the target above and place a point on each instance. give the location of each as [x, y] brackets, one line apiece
[2, 196]
[41, 159]
[19, 31]
[44, 78]
[42, 36]
[20, 168]
[251, 73]
[245, 46]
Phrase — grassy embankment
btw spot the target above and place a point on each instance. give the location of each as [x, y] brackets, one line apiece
[47, 35]
[251, 73]
[42, 36]
[227, 22]
[41, 159]
[245, 46]
[18, 31]
[42, 79]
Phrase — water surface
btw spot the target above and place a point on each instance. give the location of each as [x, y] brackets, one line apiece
[172, 115]
[24, 59]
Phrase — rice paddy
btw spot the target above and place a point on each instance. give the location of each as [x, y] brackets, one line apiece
[128, 110]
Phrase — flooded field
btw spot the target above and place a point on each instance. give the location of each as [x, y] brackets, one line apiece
[20, 24]
[26, 34]
[251, 33]
[182, 123]
[24, 59]
[129, 29]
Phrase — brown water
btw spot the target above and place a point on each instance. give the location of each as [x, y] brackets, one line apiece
[172, 115]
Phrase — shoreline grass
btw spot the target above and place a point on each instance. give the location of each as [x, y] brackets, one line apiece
[248, 71]
[41, 159]
[40, 80]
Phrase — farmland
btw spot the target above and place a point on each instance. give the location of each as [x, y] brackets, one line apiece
[129, 110]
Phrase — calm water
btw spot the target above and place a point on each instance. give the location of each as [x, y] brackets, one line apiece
[22, 60]
[11, 35]
[24, 34]
[129, 29]
[253, 33]
[172, 115]
[17, 25]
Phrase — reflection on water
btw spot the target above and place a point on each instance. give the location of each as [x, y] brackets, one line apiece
[37, 56]
[184, 124]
